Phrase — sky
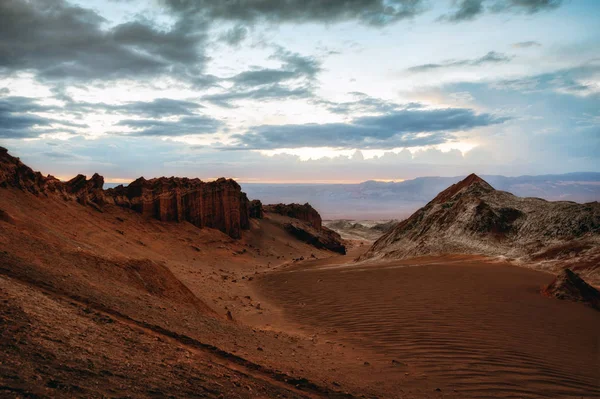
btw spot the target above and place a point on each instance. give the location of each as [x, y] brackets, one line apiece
[317, 91]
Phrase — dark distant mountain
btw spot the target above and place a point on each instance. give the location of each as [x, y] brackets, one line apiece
[382, 200]
[471, 217]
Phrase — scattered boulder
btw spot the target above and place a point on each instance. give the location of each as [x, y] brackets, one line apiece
[569, 286]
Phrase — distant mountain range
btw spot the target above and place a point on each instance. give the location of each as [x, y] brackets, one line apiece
[387, 200]
[390, 200]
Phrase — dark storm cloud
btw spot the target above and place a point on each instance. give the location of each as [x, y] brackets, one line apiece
[490, 58]
[61, 41]
[467, 10]
[235, 35]
[368, 12]
[17, 119]
[189, 125]
[402, 128]
[527, 44]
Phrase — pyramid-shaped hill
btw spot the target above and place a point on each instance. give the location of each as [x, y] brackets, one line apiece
[471, 217]
[569, 286]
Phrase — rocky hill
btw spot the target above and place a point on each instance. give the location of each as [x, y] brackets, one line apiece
[471, 217]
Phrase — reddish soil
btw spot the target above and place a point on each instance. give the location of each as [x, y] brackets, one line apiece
[113, 304]
[463, 325]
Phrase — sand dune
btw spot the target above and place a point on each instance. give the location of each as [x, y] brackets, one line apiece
[470, 328]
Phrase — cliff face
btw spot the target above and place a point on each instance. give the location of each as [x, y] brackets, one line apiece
[302, 212]
[471, 217]
[219, 204]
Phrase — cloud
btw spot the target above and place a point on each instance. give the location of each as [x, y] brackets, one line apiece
[401, 128]
[525, 6]
[270, 92]
[18, 119]
[294, 79]
[235, 35]
[582, 81]
[527, 44]
[60, 41]
[368, 12]
[189, 125]
[468, 10]
[363, 104]
[491, 57]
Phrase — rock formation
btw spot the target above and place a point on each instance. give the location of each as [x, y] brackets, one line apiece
[256, 209]
[569, 286]
[14, 173]
[471, 217]
[302, 212]
[306, 225]
[323, 238]
[220, 204]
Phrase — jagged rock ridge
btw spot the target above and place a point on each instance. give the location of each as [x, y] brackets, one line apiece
[568, 285]
[471, 217]
[219, 204]
[14, 173]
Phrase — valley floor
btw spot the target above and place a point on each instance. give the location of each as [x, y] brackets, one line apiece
[111, 304]
[462, 326]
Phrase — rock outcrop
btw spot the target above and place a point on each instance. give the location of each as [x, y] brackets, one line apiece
[323, 238]
[471, 217]
[256, 209]
[302, 212]
[569, 286]
[305, 224]
[220, 204]
[14, 173]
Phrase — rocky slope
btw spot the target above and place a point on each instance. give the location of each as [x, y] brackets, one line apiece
[569, 286]
[360, 230]
[472, 217]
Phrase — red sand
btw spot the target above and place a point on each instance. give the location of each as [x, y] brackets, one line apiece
[470, 328]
